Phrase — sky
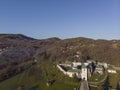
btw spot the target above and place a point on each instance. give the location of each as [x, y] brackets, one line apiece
[97, 19]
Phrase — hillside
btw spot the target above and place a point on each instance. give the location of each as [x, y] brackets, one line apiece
[18, 55]
[84, 48]
[81, 49]
[20, 48]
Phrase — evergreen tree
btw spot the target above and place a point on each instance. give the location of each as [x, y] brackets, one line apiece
[106, 84]
[118, 86]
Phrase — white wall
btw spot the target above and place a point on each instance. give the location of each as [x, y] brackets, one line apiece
[84, 73]
[112, 71]
[75, 64]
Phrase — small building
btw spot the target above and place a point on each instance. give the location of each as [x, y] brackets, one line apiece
[117, 68]
[75, 64]
[103, 64]
[99, 69]
[81, 70]
[111, 70]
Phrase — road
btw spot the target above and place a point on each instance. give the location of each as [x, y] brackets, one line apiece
[84, 85]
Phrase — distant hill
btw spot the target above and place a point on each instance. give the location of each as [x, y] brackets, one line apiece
[17, 48]
[14, 37]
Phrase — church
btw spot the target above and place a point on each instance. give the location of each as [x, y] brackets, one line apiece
[81, 70]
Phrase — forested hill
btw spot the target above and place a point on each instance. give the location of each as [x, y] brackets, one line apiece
[17, 48]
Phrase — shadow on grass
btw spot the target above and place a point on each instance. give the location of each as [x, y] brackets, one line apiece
[33, 88]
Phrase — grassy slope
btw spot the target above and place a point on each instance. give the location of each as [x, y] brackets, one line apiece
[16, 81]
[96, 77]
[62, 82]
[114, 79]
[49, 71]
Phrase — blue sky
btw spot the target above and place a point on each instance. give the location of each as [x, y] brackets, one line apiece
[98, 19]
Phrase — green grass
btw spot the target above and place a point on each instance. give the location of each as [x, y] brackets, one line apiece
[114, 79]
[62, 82]
[16, 81]
[48, 72]
[96, 77]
